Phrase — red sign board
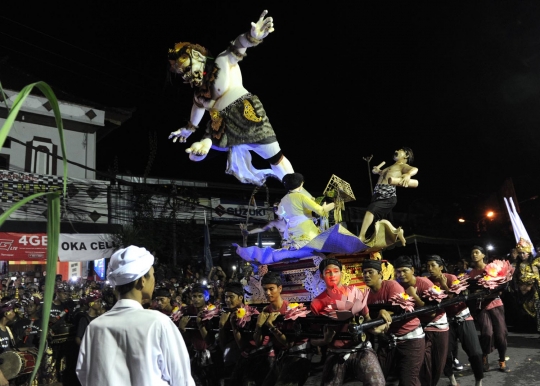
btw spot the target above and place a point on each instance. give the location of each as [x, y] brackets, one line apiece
[23, 246]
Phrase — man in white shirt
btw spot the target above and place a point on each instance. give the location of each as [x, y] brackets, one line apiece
[129, 345]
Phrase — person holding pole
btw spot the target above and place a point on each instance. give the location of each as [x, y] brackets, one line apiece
[401, 348]
[461, 324]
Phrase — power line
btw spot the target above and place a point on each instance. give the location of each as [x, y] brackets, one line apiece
[131, 200]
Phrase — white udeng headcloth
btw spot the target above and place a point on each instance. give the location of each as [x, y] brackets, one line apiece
[129, 264]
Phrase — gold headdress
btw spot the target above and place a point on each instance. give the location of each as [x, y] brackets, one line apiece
[524, 245]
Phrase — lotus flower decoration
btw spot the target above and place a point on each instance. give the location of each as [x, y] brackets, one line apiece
[177, 313]
[403, 300]
[347, 301]
[496, 273]
[244, 314]
[435, 293]
[460, 284]
[295, 310]
[209, 312]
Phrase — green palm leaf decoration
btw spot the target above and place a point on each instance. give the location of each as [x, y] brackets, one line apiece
[53, 206]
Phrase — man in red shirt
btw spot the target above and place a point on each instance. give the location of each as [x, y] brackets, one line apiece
[489, 315]
[293, 362]
[460, 321]
[435, 324]
[403, 348]
[345, 356]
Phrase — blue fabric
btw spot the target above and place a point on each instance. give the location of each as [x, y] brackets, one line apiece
[336, 239]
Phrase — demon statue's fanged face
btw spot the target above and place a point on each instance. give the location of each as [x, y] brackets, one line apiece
[188, 61]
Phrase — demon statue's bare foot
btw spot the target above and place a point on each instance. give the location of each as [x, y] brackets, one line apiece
[401, 237]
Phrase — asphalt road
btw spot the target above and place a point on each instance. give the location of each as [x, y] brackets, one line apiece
[524, 362]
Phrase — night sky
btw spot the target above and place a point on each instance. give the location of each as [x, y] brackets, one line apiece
[457, 82]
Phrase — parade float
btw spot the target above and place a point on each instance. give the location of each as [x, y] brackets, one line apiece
[314, 229]
[298, 264]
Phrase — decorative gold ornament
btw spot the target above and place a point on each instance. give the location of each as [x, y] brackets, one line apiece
[216, 119]
[528, 278]
[524, 245]
[345, 278]
[249, 112]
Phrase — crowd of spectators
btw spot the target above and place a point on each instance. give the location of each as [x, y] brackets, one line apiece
[185, 294]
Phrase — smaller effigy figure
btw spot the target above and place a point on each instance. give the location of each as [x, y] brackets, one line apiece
[297, 209]
[384, 197]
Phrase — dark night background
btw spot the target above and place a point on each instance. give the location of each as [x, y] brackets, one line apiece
[458, 82]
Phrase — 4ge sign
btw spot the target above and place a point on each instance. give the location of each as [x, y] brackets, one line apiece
[23, 246]
[34, 240]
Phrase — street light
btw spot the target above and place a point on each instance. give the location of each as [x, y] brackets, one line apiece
[489, 215]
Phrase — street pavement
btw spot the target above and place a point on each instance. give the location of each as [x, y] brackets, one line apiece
[524, 364]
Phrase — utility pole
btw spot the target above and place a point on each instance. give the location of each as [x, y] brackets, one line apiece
[174, 256]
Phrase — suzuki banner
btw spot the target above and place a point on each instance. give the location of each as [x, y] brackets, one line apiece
[238, 213]
[72, 247]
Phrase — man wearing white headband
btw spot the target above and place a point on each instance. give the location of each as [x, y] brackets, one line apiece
[128, 344]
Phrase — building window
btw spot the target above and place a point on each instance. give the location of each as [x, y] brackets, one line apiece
[4, 161]
[41, 161]
[41, 156]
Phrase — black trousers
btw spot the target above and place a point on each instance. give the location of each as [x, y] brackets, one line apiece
[493, 331]
[466, 333]
[362, 365]
[405, 359]
[434, 357]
